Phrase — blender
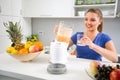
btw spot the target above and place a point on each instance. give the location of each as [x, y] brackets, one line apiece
[58, 50]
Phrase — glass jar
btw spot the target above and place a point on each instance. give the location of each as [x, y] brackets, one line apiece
[89, 2]
[98, 1]
[79, 2]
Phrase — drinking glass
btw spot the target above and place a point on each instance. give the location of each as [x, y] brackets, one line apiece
[79, 36]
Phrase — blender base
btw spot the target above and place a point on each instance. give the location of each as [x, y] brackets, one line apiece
[56, 68]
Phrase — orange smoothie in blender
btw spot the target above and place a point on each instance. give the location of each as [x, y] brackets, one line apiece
[61, 38]
[64, 33]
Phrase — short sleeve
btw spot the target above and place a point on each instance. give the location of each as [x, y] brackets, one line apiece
[74, 38]
[106, 38]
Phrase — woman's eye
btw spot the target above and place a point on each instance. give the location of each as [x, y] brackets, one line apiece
[89, 20]
[93, 20]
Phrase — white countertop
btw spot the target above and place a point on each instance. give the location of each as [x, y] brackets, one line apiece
[38, 68]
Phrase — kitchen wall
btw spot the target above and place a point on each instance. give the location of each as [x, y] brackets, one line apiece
[44, 28]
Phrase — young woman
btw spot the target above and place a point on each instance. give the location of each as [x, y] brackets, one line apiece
[97, 44]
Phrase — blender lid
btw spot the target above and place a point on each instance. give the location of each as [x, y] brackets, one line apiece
[56, 68]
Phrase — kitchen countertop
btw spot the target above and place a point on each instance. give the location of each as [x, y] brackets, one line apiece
[37, 69]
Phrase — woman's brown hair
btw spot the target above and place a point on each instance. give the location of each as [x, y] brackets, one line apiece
[100, 15]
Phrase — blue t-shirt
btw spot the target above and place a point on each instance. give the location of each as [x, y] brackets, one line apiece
[87, 53]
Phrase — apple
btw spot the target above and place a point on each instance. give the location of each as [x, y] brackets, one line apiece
[93, 67]
[115, 74]
[33, 49]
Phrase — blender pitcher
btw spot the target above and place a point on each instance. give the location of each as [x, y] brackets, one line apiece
[64, 33]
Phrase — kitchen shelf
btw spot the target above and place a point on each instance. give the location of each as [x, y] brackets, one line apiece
[109, 10]
[95, 5]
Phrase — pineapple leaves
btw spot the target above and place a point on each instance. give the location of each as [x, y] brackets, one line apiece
[15, 35]
[14, 31]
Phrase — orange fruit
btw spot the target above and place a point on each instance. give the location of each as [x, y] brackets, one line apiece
[23, 51]
[39, 44]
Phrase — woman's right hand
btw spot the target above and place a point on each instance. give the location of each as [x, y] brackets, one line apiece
[56, 29]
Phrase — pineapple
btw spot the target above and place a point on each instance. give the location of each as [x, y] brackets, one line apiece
[14, 31]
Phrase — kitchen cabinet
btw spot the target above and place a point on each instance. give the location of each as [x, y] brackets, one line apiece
[10, 7]
[47, 8]
[16, 7]
[109, 9]
[5, 7]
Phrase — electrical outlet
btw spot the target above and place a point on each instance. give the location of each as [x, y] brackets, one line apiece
[41, 33]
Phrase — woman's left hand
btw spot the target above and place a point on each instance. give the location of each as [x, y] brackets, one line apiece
[87, 41]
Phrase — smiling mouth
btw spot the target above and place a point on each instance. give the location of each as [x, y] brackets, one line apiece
[89, 26]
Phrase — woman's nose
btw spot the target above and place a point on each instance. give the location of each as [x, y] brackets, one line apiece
[88, 22]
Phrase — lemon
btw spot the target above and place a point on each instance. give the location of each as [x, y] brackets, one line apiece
[28, 44]
[10, 49]
[14, 51]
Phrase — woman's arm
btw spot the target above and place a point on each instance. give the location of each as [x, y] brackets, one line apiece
[109, 52]
[70, 44]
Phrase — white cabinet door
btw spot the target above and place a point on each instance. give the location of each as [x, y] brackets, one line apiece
[48, 8]
[5, 6]
[16, 7]
[10, 7]
[63, 8]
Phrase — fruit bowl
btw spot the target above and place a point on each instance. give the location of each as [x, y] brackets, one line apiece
[22, 51]
[25, 57]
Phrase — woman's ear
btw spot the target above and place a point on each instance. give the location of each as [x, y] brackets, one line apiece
[100, 21]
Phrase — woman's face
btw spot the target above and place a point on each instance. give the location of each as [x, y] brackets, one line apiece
[92, 21]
